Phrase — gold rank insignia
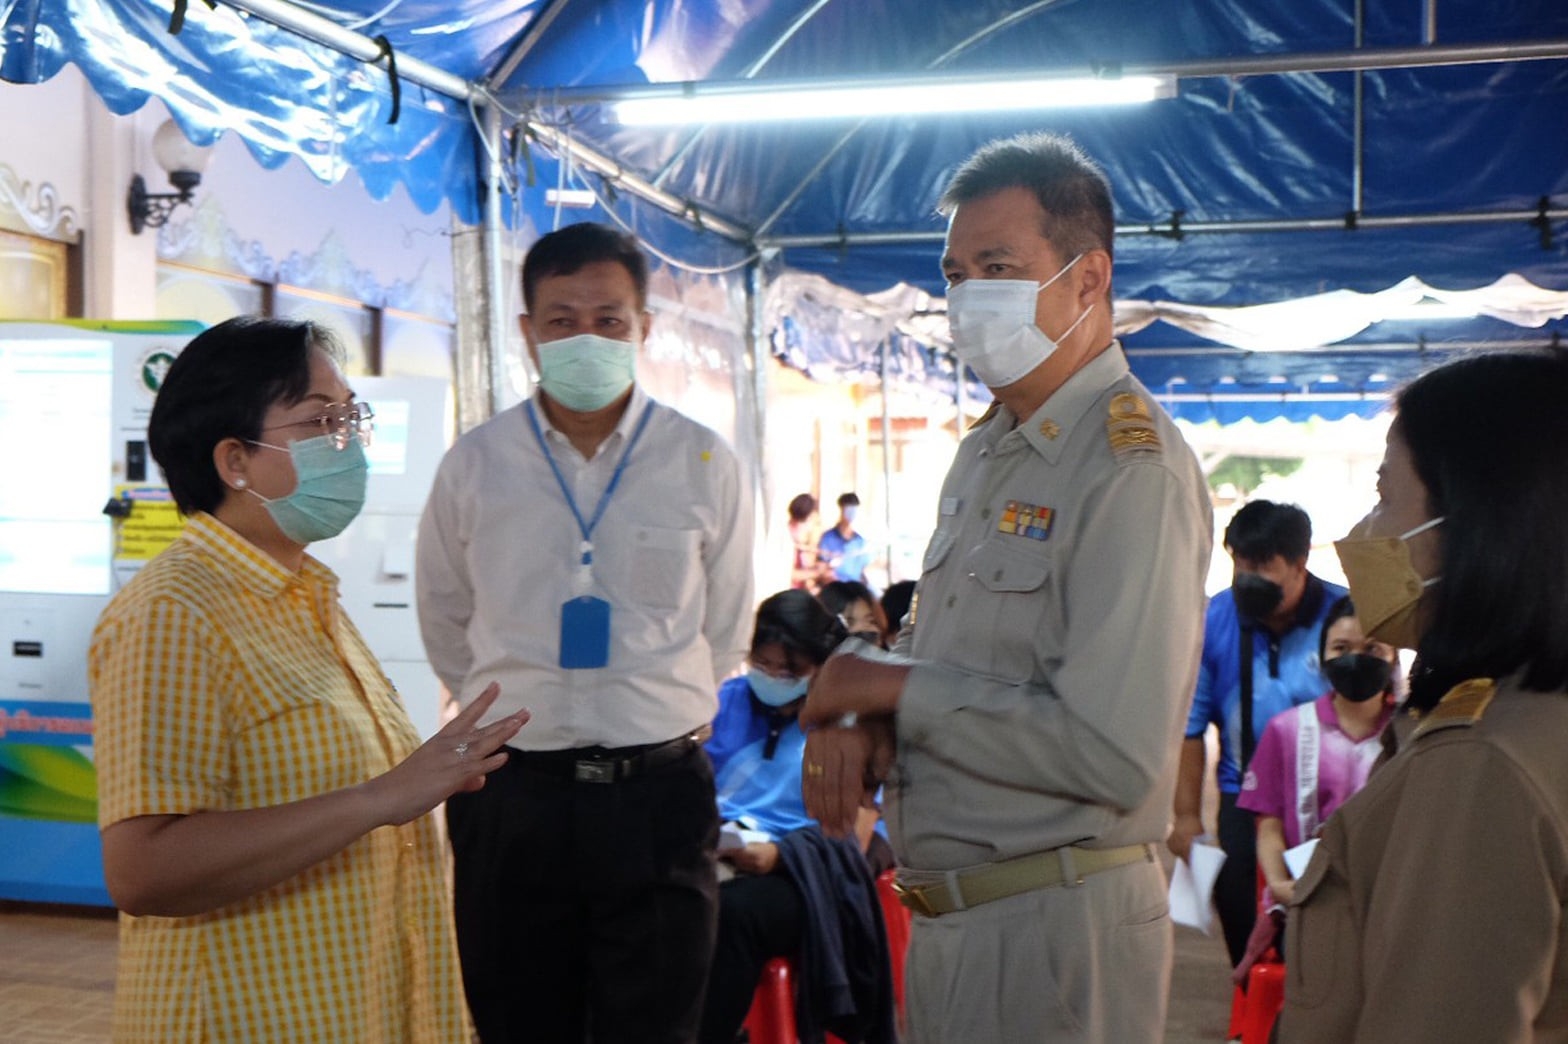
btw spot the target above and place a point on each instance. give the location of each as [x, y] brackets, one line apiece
[1462, 706]
[1130, 427]
[1050, 429]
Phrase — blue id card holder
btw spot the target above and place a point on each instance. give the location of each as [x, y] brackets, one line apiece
[585, 633]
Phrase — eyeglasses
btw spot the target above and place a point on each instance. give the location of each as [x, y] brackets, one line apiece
[340, 422]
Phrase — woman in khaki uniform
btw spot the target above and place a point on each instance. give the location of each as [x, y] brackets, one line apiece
[1433, 909]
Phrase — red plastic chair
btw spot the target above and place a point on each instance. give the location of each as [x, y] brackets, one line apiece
[1265, 999]
[771, 1019]
[896, 916]
[1253, 1010]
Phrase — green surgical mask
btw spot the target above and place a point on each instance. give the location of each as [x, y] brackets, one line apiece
[586, 372]
[329, 490]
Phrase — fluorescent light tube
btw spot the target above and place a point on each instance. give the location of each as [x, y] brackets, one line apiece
[914, 98]
[569, 197]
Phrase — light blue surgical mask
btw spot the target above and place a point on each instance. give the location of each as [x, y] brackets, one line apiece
[586, 372]
[775, 692]
[329, 490]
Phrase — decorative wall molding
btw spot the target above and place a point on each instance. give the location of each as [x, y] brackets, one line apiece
[43, 214]
[205, 240]
[331, 270]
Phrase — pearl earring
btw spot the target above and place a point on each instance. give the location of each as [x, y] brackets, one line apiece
[240, 483]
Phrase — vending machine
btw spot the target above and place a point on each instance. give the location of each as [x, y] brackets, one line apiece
[83, 507]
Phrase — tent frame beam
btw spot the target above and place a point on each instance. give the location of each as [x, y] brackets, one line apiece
[1180, 227]
[324, 31]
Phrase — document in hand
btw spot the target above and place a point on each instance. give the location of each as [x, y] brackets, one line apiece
[1192, 885]
[1296, 859]
[732, 836]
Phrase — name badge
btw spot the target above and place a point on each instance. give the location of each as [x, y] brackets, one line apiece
[585, 633]
[949, 506]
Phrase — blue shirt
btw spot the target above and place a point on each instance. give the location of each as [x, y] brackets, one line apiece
[759, 792]
[848, 558]
[1285, 672]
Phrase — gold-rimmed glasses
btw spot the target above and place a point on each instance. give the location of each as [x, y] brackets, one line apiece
[339, 421]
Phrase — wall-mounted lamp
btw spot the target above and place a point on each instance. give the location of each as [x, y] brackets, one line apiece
[184, 163]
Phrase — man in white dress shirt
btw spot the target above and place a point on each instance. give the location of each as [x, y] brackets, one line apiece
[590, 550]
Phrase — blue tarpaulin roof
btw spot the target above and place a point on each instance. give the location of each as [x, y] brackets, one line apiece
[1239, 147]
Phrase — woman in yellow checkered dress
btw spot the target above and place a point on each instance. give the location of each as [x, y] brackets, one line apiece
[263, 798]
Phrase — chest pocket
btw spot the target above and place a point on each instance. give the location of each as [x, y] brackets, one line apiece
[1004, 569]
[664, 566]
[1008, 591]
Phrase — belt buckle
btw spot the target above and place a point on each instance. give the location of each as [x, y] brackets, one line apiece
[593, 771]
[915, 899]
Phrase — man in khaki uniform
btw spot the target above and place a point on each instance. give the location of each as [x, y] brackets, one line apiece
[1035, 702]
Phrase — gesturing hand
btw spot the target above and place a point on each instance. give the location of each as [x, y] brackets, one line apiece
[454, 760]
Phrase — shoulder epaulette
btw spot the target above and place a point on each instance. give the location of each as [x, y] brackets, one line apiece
[1462, 706]
[1130, 427]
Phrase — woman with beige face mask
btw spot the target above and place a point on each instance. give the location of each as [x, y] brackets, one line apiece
[1432, 909]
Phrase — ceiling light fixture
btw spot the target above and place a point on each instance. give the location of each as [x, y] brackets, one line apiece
[753, 102]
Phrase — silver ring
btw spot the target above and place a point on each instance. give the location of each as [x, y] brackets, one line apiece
[462, 750]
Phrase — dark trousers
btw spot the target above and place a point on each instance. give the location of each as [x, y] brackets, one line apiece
[759, 918]
[1236, 888]
[586, 911]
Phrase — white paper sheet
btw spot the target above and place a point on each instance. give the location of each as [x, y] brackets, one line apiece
[1192, 885]
[1296, 859]
[732, 835]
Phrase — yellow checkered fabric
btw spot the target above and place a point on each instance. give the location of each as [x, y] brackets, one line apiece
[222, 681]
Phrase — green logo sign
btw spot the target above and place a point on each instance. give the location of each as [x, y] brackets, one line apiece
[155, 368]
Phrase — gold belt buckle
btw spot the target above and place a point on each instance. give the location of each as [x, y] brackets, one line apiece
[914, 899]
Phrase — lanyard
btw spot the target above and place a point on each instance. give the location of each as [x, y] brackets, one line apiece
[587, 527]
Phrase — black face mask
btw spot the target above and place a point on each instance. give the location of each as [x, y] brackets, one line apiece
[1256, 596]
[1358, 676]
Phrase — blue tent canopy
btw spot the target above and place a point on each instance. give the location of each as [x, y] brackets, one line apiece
[1275, 172]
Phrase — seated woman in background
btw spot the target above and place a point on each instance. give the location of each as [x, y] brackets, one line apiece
[263, 797]
[896, 603]
[786, 897]
[1312, 758]
[854, 604]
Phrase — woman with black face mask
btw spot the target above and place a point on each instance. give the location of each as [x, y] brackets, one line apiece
[1312, 758]
[1292, 792]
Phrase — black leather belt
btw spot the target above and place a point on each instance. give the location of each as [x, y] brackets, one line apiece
[603, 764]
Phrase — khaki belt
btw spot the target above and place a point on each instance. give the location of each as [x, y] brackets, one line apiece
[1068, 865]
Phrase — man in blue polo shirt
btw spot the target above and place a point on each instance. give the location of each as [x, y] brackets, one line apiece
[841, 547]
[1260, 657]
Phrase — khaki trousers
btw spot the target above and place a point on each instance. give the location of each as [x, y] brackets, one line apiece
[1088, 963]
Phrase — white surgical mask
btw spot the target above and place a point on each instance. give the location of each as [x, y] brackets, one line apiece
[586, 372]
[994, 333]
